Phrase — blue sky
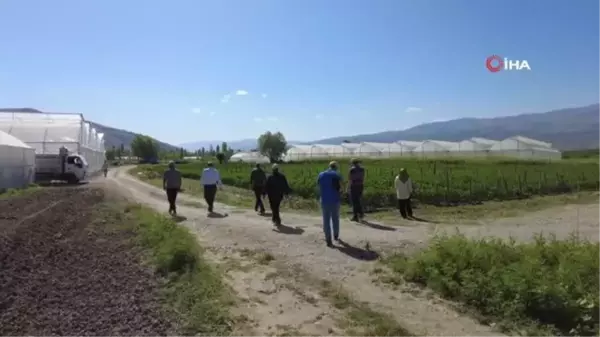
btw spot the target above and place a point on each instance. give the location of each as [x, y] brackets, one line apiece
[308, 68]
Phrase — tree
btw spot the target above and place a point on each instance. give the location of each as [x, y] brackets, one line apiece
[110, 154]
[211, 150]
[202, 151]
[144, 147]
[121, 150]
[224, 148]
[220, 157]
[272, 145]
[181, 153]
[217, 149]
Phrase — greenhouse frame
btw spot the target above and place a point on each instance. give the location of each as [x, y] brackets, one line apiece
[46, 133]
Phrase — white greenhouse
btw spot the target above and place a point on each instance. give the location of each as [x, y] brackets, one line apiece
[474, 147]
[367, 150]
[304, 152]
[408, 144]
[525, 148]
[17, 162]
[48, 132]
[435, 148]
[249, 157]
[335, 150]
[350, 147]
[391, 149]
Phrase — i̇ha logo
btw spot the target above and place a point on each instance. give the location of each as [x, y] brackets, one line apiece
[496, 63]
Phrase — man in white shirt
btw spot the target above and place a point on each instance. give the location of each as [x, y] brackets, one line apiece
[210, 180]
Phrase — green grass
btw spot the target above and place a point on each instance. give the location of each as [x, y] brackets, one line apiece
[13, 192]
[541, 288]
[193, 290]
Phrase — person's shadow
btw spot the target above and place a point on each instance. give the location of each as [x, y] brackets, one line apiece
[178, 218]
[420, 219]
[377, 226]
[217, 215]
[283, 229]
[357, 253]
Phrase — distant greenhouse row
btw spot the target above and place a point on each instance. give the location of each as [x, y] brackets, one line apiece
[514, 147]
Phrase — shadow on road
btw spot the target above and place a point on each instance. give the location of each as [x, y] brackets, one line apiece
[377, 226]
[217, 215]
[283, 229]
[357, 253]
[178, 218]
[421, 219]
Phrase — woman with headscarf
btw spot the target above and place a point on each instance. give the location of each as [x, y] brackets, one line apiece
[404, 190]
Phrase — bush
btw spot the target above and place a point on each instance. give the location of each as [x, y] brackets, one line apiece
[548, 286]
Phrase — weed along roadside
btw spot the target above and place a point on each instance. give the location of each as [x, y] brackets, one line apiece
[546, 287]
[193, 292]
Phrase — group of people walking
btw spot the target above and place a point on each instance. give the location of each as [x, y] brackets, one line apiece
[275, 187]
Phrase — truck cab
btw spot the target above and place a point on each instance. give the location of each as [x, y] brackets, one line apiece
[64, 166]
[76, 166]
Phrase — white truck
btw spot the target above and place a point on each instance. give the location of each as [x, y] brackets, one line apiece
[63, 166]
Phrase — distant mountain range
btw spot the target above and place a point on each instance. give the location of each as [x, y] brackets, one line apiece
[567, 129]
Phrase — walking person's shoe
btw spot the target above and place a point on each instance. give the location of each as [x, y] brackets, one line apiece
[329, 243]
[337, 238]
[354, 219]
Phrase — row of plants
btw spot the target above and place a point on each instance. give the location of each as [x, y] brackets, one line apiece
[440, 182]
[544, 287]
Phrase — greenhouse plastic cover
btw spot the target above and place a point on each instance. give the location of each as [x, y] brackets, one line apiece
[48, 132]
[17, 162]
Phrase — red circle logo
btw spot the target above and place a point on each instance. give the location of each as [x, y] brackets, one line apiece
[494, 59]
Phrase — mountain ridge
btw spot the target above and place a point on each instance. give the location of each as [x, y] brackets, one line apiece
[567, 129]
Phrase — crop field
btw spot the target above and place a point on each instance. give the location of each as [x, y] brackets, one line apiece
[440, 182]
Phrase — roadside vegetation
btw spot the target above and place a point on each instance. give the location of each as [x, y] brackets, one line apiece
[547, 287]
[193, 292]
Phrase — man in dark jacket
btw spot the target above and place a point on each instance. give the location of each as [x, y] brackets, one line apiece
[258, 179]
[356, 179]
[172, 185]
[277, 187]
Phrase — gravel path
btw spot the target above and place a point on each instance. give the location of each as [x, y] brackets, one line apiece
[61, 273]
[300, 246]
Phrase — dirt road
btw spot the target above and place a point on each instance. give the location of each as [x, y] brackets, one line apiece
[299, 250]
[62, 273]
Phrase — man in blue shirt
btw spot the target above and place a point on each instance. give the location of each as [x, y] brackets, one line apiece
[330, 188]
